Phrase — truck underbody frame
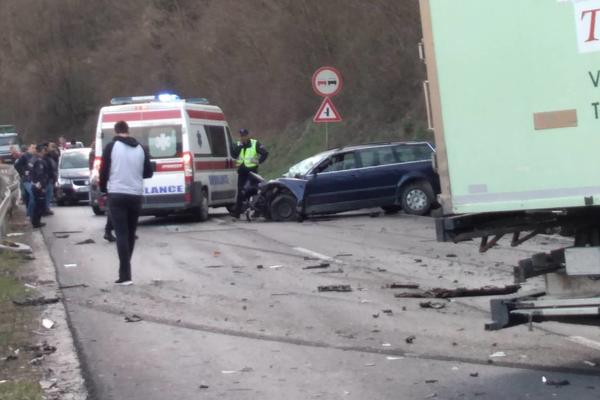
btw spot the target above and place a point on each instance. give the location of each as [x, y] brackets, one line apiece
[572, 274]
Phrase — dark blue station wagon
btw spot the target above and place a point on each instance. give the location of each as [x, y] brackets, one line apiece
[394, 176]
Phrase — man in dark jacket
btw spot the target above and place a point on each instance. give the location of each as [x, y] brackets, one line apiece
[51, 158]
[23, 166]
[40, 178]
[249, 154]
[125, 165]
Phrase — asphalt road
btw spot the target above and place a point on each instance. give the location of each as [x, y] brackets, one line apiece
[212, 318]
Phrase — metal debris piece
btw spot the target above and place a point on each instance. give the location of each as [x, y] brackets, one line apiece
[451, 255]
[83, 285]
[203, 387]
[334, 271]
[39, 301]
[276, 266]
[70, 265]
[551, 382]
[474, 374]
[410, 339]
[431, 381]
[259, 267]
[387, 311]
[133, 318]
[47, 323]
[86, 241]
[436, 305]
[37, 360]
[59, 236]
[343, 255]
[49, 384]
[11, 357]
[322, 265]
[335, 288]
[498, 354]
[401, 286]
[442, 293]
[376, 315]
[214, 266]
[381, 269]
[392, 358]
[418, 260]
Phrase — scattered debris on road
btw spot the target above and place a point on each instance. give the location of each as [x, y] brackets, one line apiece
[133, 318]
[343, 255]
[376, 315]
[451, 255]
[498, 354]
[436, 305]
[410, 339]
[322, 265]
[47, 323]
[590, 363]
[442, 293]
[387, 311]
[276, 266]
[41, 349]
[551, 382]
[48, 384]
[333, 271]
[418, 260]
[214, 266]
[14, 247]
[11, 357]
[381, 269]
[401, 286]
[393, 358]
[39, 301]
[70, 265]
[474, 374]
[65, 236]
[259, 267]
[203, 387]
[86, 241]
[335, 288]
[431, 381]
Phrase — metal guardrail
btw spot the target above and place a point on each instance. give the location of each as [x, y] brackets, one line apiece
[9, 192]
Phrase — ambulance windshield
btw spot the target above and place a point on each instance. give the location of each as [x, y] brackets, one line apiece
[162, 141]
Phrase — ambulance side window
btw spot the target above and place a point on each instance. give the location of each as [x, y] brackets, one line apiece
[218, 142]
[199, 141]
[229, 139]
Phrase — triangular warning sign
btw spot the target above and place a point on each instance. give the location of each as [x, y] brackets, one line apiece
[327, 112]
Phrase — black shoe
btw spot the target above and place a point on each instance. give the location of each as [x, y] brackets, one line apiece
[40, 225]
[47, 213]
[123, 282]
[110, 237]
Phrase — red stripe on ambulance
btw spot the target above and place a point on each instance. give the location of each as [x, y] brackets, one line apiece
[169, 167]
[208, 165]
[142, 115]
[214, 116]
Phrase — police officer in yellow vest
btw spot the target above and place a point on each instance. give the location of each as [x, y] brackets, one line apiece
[249, 154]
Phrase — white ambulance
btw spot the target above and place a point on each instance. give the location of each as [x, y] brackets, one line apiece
[190, 147]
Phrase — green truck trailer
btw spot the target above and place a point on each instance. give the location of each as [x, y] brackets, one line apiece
[513, 97]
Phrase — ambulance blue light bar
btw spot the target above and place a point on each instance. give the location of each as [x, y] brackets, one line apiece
[198, 100]
[163, 98]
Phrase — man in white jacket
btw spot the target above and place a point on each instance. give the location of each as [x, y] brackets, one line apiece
[125, 165]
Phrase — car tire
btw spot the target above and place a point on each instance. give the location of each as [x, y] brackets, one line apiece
[389, 210]
[417, 198]
[283, 208]
[201, 213]
[95, 209]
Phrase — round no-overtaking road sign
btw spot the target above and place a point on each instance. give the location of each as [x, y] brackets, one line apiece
[327, 81]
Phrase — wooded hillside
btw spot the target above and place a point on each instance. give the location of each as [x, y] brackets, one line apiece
[63, 59]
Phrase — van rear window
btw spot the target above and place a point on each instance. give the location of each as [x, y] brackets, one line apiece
[160, 141]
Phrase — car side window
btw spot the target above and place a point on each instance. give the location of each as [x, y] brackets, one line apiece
[339, 162]
[413, 152]
[377, 156]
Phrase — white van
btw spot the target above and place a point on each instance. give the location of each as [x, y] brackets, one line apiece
[190, 147]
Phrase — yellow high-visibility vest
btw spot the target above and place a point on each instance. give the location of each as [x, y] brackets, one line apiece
[248, 156]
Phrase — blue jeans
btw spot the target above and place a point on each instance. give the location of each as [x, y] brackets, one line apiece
[31, 202]
[49, 194]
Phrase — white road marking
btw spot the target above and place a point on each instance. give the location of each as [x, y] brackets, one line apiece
[592, 344]
[318, 255]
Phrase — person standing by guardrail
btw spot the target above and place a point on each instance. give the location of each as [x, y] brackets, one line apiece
[51, 159]
[23, 166]
[40, 178]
